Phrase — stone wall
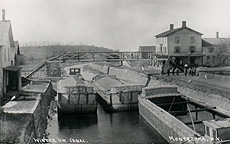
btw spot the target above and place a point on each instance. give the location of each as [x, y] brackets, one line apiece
[22, 126]
[15, 129]
[41, 112]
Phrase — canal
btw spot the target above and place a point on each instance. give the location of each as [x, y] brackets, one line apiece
[122, 127]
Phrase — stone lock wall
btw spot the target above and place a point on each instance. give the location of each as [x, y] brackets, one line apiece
[23, 127]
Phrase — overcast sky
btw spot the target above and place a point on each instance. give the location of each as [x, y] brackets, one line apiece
[115, 24]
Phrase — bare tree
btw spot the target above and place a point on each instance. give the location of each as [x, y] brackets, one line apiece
[223, 55]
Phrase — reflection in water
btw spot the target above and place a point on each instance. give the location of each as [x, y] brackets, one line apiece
[70, 121]
[121, 127]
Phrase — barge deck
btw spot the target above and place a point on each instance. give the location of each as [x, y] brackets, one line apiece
[116, 95]
[180, 119]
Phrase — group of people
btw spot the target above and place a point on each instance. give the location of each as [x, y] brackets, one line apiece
[174, 71]
[187, 71]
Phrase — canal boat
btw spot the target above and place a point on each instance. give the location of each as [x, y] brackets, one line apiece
[116, 95]
[75, 95]
[180, 119]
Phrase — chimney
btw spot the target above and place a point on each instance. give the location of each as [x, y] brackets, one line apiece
[183, 23]
[171, 26]
[217, 34]
[3, 15]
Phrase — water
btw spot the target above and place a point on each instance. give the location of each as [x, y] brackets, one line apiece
[122, 127]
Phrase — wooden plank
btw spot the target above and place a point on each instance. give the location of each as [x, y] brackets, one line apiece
[174, 103]
[198, 110]
[195, 122]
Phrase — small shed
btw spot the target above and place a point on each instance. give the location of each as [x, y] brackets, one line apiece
[218, 130]
[146, 52]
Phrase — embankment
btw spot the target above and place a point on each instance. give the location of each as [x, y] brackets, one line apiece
[217, 77]
[215, 96]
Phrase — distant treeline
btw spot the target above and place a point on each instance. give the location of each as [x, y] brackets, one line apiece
[34, 54]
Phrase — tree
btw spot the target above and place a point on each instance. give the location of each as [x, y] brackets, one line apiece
[223, 55]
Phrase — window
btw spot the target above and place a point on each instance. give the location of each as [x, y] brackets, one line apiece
[161, 47]
[207, 131]
[192, 60]
[177, 49]
[8, 54]
[192, 39]
[177, 39]
[208, 59]
[4, 52]
[71, 90]
[210, 49]
[192, 49]
[165, 49]
[214, 134]
[223, 133]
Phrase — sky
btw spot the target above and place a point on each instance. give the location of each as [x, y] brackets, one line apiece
[117, 24]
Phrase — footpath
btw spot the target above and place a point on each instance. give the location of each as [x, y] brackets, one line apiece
[203, 84]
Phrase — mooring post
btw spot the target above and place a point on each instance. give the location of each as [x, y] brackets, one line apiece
[196, 113]
[111, 101]
[213, 115]
[93, 57]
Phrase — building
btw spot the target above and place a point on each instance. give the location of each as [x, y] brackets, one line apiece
[213, 46]
[10, 73]
[209, 54]
[147, 52]
[182, 45]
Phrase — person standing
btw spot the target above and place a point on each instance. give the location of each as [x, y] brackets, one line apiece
[185, 69]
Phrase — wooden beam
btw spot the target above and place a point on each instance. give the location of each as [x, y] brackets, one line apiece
[198, 110]
[174, 103]
[195, 122]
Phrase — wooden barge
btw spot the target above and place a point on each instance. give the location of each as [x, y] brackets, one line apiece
[180, 119]
[116, 95]
[75, 95]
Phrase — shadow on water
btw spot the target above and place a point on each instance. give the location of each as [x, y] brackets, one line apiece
[103, 127]
[76, 121]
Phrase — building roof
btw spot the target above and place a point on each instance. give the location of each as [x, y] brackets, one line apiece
[205, 43]
[72, 81]
[12, 68]
[172, 31]
[107, 81]
[218, 41]
[218, 124]
[147, 48]
[6, 31]
[17, 50]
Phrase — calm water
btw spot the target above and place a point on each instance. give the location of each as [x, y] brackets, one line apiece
[122, 127]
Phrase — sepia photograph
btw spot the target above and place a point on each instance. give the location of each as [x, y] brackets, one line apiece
[114, 71]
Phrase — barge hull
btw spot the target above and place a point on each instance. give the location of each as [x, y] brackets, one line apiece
[74, 108]
[115, 107]
[166, 124]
